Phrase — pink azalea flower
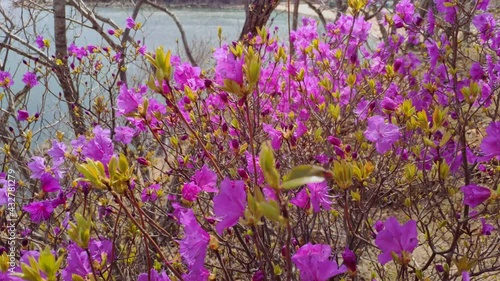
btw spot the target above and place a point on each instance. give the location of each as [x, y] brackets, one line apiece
[486, 228]
[4, 196]
[39, 211]
[317, 196]
[193, 247]
[39, 42]
[396, 238]
[474, 195]
[275, 135]
[22, 115]
[186, 74]
[128, 100]
[29, 78]
[228, 66]
[58, 150]
[315, 264]
[206, 179]
[100, 148]
[483, 5]
[142, 50]
[190, 191]
[130, 23]
[5, 79]
[124, 134]
[350, 260]
[37, 167]
[491, 143]
[230, 203]
[485, 24]
[155, 276]
[382, 134]
[448, 8]
[301, 200]
[150, 193]
[49, 183]
[78, 259]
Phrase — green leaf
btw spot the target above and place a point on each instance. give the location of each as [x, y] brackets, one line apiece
[75, 277]
[270, 210]
[112, 168]
[304, 174]
[266, 160]
[47, 261]
[87, 172]
[80, 233]
[123, 163]
[31, 272]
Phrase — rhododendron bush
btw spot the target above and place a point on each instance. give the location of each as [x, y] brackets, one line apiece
[321, 157]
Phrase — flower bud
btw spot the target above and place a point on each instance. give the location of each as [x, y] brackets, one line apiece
[143, 161]
[334, 141]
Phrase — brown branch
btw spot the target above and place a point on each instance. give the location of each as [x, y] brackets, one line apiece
[317, 11]
[179, 26]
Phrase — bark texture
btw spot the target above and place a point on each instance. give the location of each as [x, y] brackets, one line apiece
[62, 70]
[257, 14]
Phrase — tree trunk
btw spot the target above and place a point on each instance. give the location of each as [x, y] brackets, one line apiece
[62, 71]
[257, 15]
[295, 21]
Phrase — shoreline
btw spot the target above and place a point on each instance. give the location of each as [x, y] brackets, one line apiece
[128, 4]
[97, 3]
[329, 14]
[305, 10]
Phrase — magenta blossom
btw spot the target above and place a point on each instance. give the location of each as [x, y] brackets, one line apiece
[78, 259]
[39, 211]
[206, 179]
[22, 115]
[448, 8]
[315, 194]
[228, 66]
[38, 168]
[5, 79]
[100, 148]
[396, 239]
[40, 42]
[124, 134]
[29, 78]
[130, 23]
[474, 195]
[57, 151]
[382, 134]
[190, 191]
[314, 263]
[155, 276]
[465, 276]
[491, 143]
[150, 193]
[350, 260]
[486, 228]
[49, 183]
[193, 247]
[275, 135]
[4, 193]
[230, 203]
[129, 99]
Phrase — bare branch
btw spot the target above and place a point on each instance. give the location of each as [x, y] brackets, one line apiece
[179, 26]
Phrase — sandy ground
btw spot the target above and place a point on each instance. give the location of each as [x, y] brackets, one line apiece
[304, 10]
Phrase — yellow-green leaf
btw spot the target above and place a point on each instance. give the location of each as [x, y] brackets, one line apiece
[304, 174]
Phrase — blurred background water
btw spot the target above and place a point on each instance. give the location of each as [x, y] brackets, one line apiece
[200, 26]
